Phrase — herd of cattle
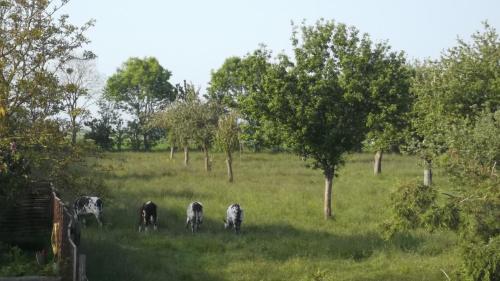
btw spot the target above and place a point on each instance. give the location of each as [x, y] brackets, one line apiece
[148, 217]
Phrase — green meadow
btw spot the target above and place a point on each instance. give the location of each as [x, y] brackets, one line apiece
[284, 235]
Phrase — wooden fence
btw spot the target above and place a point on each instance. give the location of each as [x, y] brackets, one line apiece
[65, 241]
[36, 214]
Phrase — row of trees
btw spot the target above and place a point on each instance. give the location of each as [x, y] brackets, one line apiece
[337, 90]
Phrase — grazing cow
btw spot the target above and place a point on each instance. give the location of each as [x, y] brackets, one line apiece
[234, 217]
[194, 216]
[88, 205]
[147, 216]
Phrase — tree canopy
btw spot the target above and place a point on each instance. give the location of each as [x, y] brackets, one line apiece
[141, 87]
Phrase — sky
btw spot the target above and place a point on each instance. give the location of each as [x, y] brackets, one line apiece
[191, 38]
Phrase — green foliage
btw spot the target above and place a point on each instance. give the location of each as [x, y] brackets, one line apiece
[33, 46]
[459, 86]
[482, 259]
[189, 119]
[320, 102]
[15, 262]
[239, 84]
[410, 201]
[142, 88]
[102, 128]
[415, 205]
[226, 137]
[100, 132]
[456, 124]
[390, 100]
[474, 152]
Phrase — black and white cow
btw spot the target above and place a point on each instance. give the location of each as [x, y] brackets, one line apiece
[194, 214]
[88, 205]
[234, 217]
[148, 216]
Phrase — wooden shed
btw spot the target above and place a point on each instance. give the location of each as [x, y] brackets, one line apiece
[27, 221]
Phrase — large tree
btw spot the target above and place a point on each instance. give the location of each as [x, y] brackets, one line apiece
[33, 45]
[320, 100]
[35, 41]
[142, 87]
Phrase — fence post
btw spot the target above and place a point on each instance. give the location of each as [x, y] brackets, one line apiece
[82, 275]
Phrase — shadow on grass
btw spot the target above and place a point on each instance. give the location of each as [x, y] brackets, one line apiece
[173, 253]
[112, 260]
[141, 176]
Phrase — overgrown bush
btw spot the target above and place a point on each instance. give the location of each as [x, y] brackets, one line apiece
[16, 262]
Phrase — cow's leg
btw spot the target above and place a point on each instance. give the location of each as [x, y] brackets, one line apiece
[187, 222]
[98, 217]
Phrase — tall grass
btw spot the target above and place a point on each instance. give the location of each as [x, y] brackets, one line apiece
[284, 235]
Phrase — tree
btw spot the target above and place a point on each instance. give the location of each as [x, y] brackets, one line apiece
[320, 101]
[461, 85]
[142, 88]
[78, 79]
[190, 120]
[206, 115]
[101, 129]
[390, 102]
[239, 85]
[456, 125]
[227, 139]
[34, 44]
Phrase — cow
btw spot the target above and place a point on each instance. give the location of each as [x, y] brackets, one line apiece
[234, 217]
[148, 216]
[194, 214]
[88, 205]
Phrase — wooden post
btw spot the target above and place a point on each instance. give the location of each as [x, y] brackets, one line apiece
[82, 275]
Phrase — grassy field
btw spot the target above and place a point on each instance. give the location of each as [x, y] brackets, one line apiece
[284, 235]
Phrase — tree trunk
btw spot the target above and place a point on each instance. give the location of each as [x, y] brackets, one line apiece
[146, 142]
[328, 194]
[172, 148]
[186, 155]
[241, 149]
[428, 176]
[377, 166]
[428, 173]
[229, 162]
[73, 131]
[207, 162]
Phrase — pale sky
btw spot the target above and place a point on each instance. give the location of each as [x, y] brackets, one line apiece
[192, 37]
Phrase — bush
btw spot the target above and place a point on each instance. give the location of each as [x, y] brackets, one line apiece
[16, 262]
[482, 260]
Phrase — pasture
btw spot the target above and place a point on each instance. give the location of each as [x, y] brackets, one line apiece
[284, 235]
